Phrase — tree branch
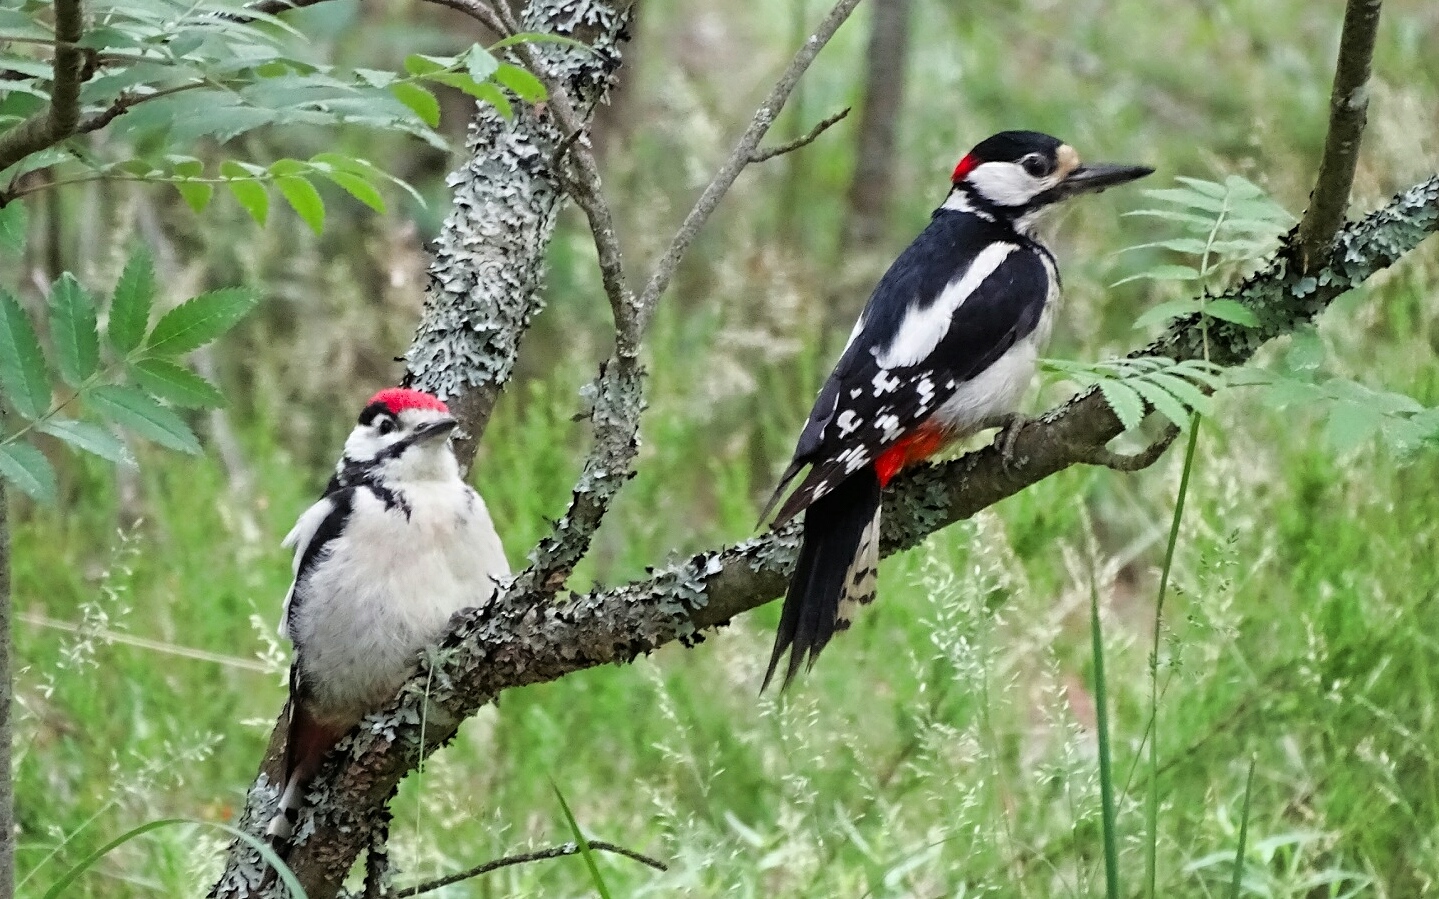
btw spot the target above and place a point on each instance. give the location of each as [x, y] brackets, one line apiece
[488, 260]
[49, 126]
[741, 156]
[525, 858]
[1348, 107]
[789, 147]
[517, 641]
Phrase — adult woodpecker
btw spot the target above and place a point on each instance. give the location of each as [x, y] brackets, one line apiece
[946, 345]
[395, 546]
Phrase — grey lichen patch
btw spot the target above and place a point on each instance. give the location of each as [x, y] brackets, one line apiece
[487, 271]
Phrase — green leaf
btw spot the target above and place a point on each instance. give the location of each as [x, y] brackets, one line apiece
[422, 66]
[23, 377]
[198, 321]
[1350, 424]
[130, 310]
[135, 410]
[1183, 390]
[1306, 350]
[304, 199]
[73, 330]
[248, 192]
[420, 101]
[176, 384]
[27, 468]
[482, 91]
[1191, 199]
[525, 85]
[14, 223]
[197, 194]
[91, 438]
[1209, 188]
[1232, 311]
[358, 188]
[1163, 273]
[1124, 401]
[1162, 400]
[480, 63]
[584, 844]
[1165, 311]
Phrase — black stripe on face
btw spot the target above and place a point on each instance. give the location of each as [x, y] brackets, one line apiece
[373, 411]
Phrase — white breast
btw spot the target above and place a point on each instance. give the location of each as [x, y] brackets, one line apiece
[998, 389]
[386, 588]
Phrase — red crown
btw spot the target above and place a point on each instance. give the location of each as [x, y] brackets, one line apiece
[398, 399]
[966, 165]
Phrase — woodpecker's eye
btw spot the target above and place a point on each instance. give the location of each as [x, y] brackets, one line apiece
[1037, 165]
[385, 426]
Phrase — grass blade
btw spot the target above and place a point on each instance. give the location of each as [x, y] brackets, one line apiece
[584, 844]
[1243, 835]
[1151, 813]
[286, 875]
[1106, 773]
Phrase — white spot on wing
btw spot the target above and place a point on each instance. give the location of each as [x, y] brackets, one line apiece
[884, 382]
[924, 326]
[847, 422]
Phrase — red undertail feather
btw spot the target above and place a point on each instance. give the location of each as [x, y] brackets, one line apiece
[912, 448]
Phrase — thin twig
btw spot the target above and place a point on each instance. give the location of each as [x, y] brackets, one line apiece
[740, 157]
[1348, 108]
[49, 126]
[525, 858]
[1146, 457]
[791, 146]
[480, 12]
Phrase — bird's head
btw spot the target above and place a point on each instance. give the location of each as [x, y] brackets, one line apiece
[402, 435]
[1015, 174]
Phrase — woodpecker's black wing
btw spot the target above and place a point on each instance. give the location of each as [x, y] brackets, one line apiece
[313, 531]
[960, 297]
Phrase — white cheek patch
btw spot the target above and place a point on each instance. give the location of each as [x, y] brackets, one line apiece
[1006, 183]
[924, 326]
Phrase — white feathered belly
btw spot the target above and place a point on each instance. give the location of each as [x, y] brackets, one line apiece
[998, 389]
[384, 591]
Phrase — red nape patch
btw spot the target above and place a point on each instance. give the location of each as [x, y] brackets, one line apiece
[398, 399]
[966, 165]
[910, 449]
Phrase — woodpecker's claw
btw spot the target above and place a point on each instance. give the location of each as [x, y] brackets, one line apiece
[1009, 425]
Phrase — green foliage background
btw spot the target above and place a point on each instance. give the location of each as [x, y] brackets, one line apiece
[945, 746]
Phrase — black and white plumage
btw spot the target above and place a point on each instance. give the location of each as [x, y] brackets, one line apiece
[396, 545]
[948, 341]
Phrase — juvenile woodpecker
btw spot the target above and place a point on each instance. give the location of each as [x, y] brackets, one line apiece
[946, 345]
[395, 546]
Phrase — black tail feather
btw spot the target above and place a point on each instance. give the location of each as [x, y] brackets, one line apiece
[834, 526]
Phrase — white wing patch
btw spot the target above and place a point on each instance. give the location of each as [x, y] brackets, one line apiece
[924, 326]
[299, 539]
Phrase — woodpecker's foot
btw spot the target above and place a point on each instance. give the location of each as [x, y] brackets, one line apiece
[1134, 461]
[1009, 425]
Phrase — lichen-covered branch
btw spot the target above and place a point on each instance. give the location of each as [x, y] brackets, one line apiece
[1348, 108]
[488, 260]
[517, 641]
[57, 120]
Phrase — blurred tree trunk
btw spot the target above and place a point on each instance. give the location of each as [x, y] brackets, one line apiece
[873, 181]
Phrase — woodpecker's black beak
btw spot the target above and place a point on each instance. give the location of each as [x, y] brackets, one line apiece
[434, 430]
[1097, 177]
